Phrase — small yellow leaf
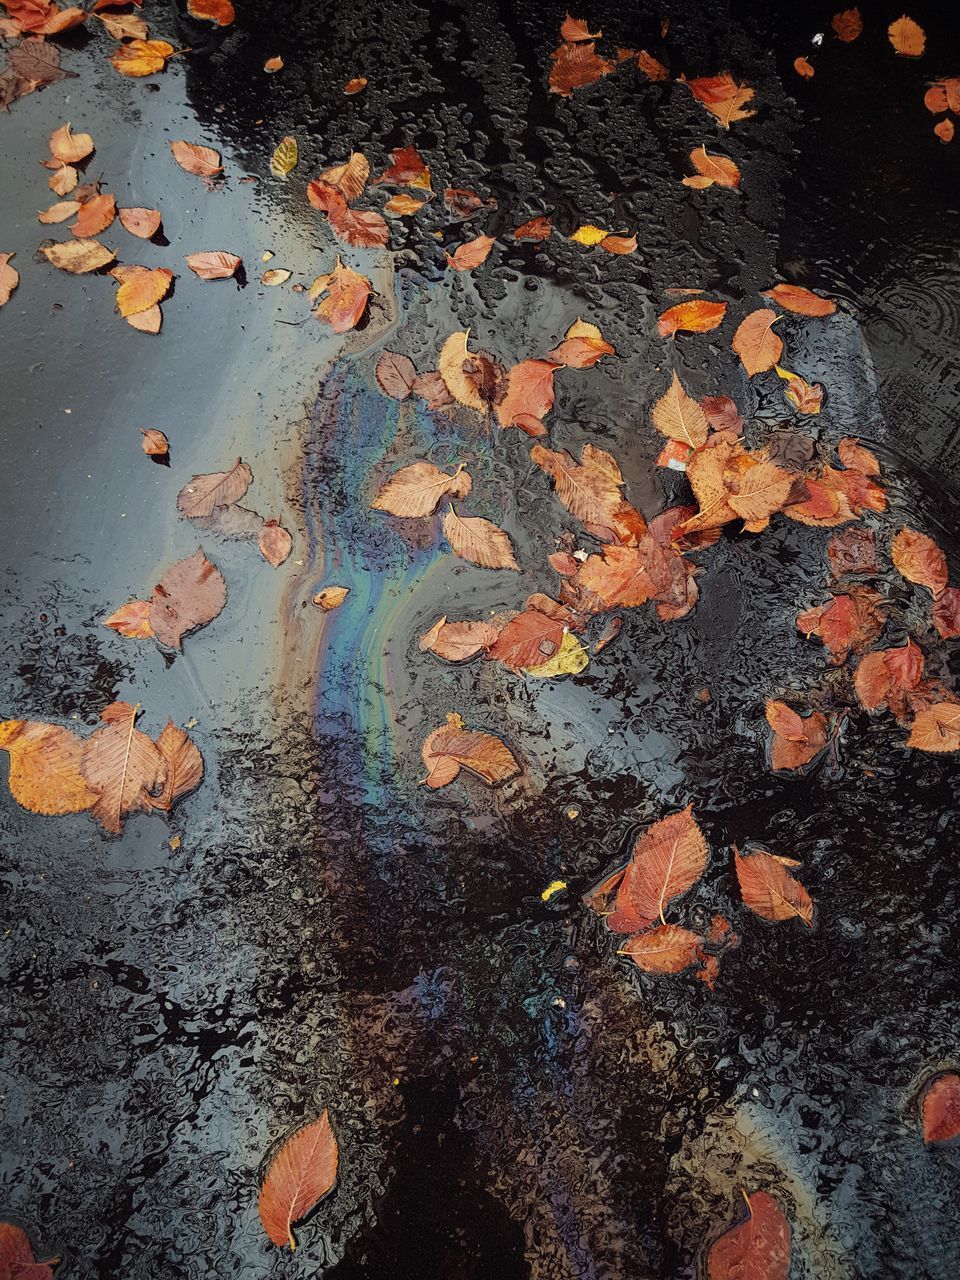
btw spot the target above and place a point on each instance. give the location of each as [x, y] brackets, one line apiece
[589, 234]
[555, 886]
[569, 660]
[284, 159]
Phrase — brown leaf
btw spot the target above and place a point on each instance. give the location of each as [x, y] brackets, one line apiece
[936, 728]
[793, 297]
[59, 212]
[124, 26]
[274, 542]
[452, 365]
[760, 491]
[203, 162]
[141, 288]
[95, 216]
[664, 949]
[883, 678]
[395, 375]
[847, 25]
[846, 624]
[184, 765]
[79, 256]
[944, 130]
[17, 1260]
[331, 598]
[148, 321]
[668, 859]
[722, 97]
[529, 395]
[205, 493]
[755, 1249]
[214, 264]
[718, 170]
[854, 550]
[650, 67]
[907, 37]
[347, 295]
[530, 638]
[699, 316]
[678, 416]
[452, 747]
[458, 641]
[591, 491]
[471, 254]
[300, 1174]
[9, 278]
[432, 388]
[361, 228]
[123, 765]
[464, 203]
[479, 541]
[574, 29]
[804, 397]
[140, 222]
[803, 68]
[131, 620]
[796, 739]
[619, 244]
[536, 229]
[920, 560]
[941, 1108]
[943, 95]
[582, 346]
[45, 763]
[946, 613]
[408, 170]
[417, 490]
[69, 147]
[758, 347]
[219, 11]
[31, 65]
[190, 594]
[64, 180]
[356, 85]
[768, 888]
[575, 66]
[348, 178]
[142, 58]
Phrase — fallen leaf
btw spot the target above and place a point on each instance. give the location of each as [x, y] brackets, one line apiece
[479, 541]
[347, 292]
[331, 598]
[142, 57]
[575, 66]
[757, 1248]
[691, 317]
[219, 11]
[148, 321]
[768, 888]
[664, 949]
[79, 256]
[458, 641]
[582, 346]
[946, 609]
[574, 29]
[202, 162]
[59, 212]
[356, 85]
[758, 347]
[123, 765]
[124, 26]
[273, 64]
[463, 203]
[713, 169]
[140, 222]
[796, 739]
[31, 65]
[416, 491]
[64, 180]
[432, 389]
[471, 254]
[16, 1256]
[760, 491]
[920, 560]
[9, 278]
[886, 677]
[936, 728]
[300, 1174]
[45, 772]
[591, 491]
[907, 37]
[275, 276]
[722, 97]
[804, 397]
[275, 543]
[407, 170]
[190, 594]
[452, 747]
[803, 68]
[619, 244]
[95, 216]
[395, 375]
[853, 550]
[529, 396]
[285, 157]
[454, 355]
[678, 416]
[650, 67]
[943, 95]
[539, 228]
[348, 178]
[205, 493]
[846, 624]
[793, 297]
[526, 640]
[142, 288]
[941, 1108]
[69, 147]
[184, 765]
[361, 228]
[668, 859]
[131, 620]
[847, 25]
[944, 130]
[404, 206]
[589, 235]
[214, 264]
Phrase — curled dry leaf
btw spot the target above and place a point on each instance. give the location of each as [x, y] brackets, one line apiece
[463, 203]
[300, 1175]
[471, 254]
[141, 288]
[285, 157]
[712, 170]
[758, 347]
[698, 316]
[273, 64]
[941, 1108]
[219, 11]
[79, 256]
[884, 677]
[17, 1259]
[347, 295]
[203, 162]
[140, 222]
[214, 264]
[356, 85]
[793, 297]
[69, 147]
[768, 888]
[936, 728]
[847, 25]
[123, 766]
[205, 493]
[920, 560]
[804, 397]
[619, 244]
[154, 442]
[9, 278]
[538, 228]
[274, 542]
[274, 277]
[756, 1249]
[803, 68]
[529, 396]
[479, 541]
[331, 598]
[907, 37]
[679, 417]
[395, 375]
[45, 762]
[797, 740]
[96, 214]
[131, 620]
[944, 130]
[416, 491]
[452, 747]
[667, 860]
[575, 66]
[722, 97]
[141, 57]
[575, 29]
[190, 594]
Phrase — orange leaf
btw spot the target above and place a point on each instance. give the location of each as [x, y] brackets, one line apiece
[907, 37]
[574, 29]
[846, 624]
[755, 1249]
[408, 169]
[154, 442]
[452, 747]
[123, 765]
[847, 25]
[356, 85]
[203, 162]
[300, 1174]
[665, 949]
[529, 639]
[803, 68]
[131, 620]
[619, 244]
[650, 67]
[416, 491]
[64, 180]
[273, 64]
[760, 491]
[142, 288]
[941, 1108]
[9, 278]
[582, 346]
[16, 1256]
[715, 169]
[691, 317]
[722, 97]
[214, 264]
[142, 57]
[95, 216]
[124, 26]
[668, 859]
[140, 222]
[219, 11]
[920, 560]
[79, 256]
[536, 229]
[936, 728]
[148, 321]
[944, 130]
[458, 641]
[347, 295]
[758, 347]
[677, 415]
[529, 396]
[184, 765]
[349, 178]
[796, 739]
[68, 147]
[792, 297]
[45, 765]
[404, 206]
[591, 491]
[274, 542]
[946, 613]
[943, 95]
[768, 888]
[471, 254]
[575, 66]
[331, 598]
[479, 541]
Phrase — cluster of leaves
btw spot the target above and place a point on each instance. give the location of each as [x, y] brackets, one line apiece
[576, 63]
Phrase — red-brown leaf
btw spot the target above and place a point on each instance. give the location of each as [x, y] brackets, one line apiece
[768, 888]
[946, 613]
[920, 560]
[575, 66]
[123, 765]
[205, 493]
[668, 859]
[16, 1256]
[300, 1174]
[479, 541]
[452, 747]
[189, 595]
[529, 395]
[395, 375]
[664, 949]
[347, 295]
[796, 739]
[274, 542]
[793, 297]
[757, 1248]
[941, 1108]
[847, 25]
[469, 255]
[536, 229]
[184, 765]
[846, 624]
[458, 641]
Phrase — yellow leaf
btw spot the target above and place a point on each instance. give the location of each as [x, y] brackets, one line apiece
[589, 234]
[569, 660]
[555, 886]
[284, 159]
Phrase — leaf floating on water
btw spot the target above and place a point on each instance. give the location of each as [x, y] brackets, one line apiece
[131, 620]
[275, 276]
[203, 162]
[140, 222]
[920, 560]
[479, 541]
[214, 264]
[591, 491]
[403, 205]
[205, 493]
[124, 26]
[574, 29]
[589, 235]
[803, 302]
[803, 68]
[300, 1175]
[907, 37]
[285, 158]
[356, 85]
[758, 1248]
[407, 170]
[847, 25]
[941, 1108]
[536, 229]
[575, 66]
[664, 949]
[529, 396]
[395, 375]
[804, 397]
[273, 64]
[184, 765]
[417, 490]
[569, 660]
[452, 747]
[698, 316]
[712, 170]
[79, 256]
[190, 594]
[331, 598]
[847, 624]
[758, 347]
[797, 740]
[453, 357]
[123, 765]
[769, 889]
[69, 147]
[219, 11]
[95, 216]
[275, 543]
[668, 859]
[651, 67]
[31, 65]
[936, 728]
[582, 346]
[678, 416]
[45, 762]
[944, 130]
[347, 292]
[471, 254]
[17, 1260]
[9, 278]
[64, 180]
[142, 57]
[723, 97]
[141, 288]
